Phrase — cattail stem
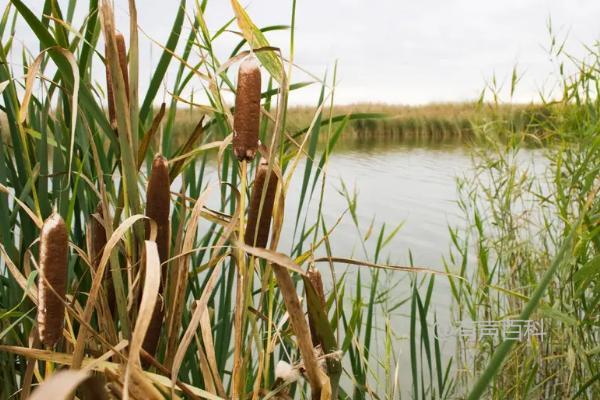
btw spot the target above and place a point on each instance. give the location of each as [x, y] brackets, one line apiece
[158, 209]
[240, 298]
[246, 119]
[53, 283]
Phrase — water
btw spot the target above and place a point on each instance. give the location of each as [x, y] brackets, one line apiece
[412, 186]
[397, 183]
[407, 184]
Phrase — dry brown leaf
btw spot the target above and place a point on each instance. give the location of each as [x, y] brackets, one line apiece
[96, 284]
[381, 266]
[300, 327]
[66, 359]
[209, 348]
[181, 278]
[201, 308]
[271, 256]
[60, 386]
[31, 73]
[149, 295]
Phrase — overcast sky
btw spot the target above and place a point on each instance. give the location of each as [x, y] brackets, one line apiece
[396, 51]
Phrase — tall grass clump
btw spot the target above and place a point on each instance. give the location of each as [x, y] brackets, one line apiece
[531, 249]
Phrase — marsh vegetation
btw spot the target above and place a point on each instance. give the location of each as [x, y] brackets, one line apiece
[192, 271]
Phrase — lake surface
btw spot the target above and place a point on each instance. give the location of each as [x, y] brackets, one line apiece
[414, 185]
[409, 184]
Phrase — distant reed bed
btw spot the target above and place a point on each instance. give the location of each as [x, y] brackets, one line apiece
[427, 124]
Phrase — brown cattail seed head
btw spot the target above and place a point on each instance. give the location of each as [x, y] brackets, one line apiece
[98, 237]
[122, 54]
[314, 276]
[153, 333]
[158, 203]
[246, 120]
[257, 230]
[157, 208]
[53, 274]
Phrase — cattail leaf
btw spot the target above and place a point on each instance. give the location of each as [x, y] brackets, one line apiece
[87, 100]
[179, 283]
[339, 118]
[16, 322]
[146, 311]
[30, 286]
[257, 39]
[316, 377]
[201, 309]
[133, 73]
[37, 220]
[209, 349]
[31, 291]
[100, 366]
[61, 385]
[312, 149]
[263, 30]
[3, 85]
[149, 135]
[88, 43]
[118, 233]
[382, 266]
[271, 256]
[329, 149]
[30, 79]
[163, 64]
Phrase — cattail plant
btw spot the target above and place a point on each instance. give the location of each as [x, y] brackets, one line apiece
[53, 283]
[260, 213]
[246, 120]
[122, 52]
[157, 209]
[257, 234]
